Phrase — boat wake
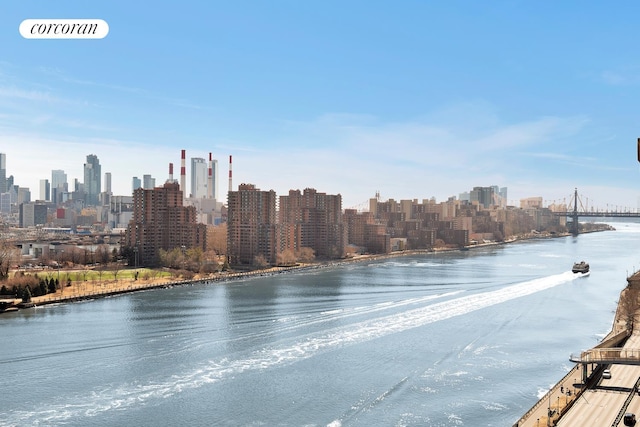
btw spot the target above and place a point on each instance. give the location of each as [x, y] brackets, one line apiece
[282, 353]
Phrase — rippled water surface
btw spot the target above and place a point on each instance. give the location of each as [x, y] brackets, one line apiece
[457, 339]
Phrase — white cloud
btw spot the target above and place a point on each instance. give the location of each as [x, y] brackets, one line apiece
[30, 95]
[624, 76]
[416, 159]
[440, 154]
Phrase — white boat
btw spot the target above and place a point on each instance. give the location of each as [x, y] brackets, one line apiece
[580, 267]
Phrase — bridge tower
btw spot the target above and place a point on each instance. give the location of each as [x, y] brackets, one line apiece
[574, 215]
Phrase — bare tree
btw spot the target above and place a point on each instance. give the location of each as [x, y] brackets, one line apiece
[173, 258]
[8, 254]
[85, 271]
[193, 259]
[103, 256]
[101, 269]
[286, 258]
[351, 251]
[116, 267]
[73, 255]
[629, 305]
[217, 239]
[439, 243]
[259, 261]
[306, 255]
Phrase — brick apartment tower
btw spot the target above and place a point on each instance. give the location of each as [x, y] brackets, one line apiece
[251, 225]
[364, 232]
[161, 221]
[312, 220]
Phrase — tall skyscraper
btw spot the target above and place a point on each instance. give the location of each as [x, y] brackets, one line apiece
[44, 190]
[199, 175]
[58, 185]
[482, 195]
[214, 179]
[24, 195]
[107, 182]
[136, 183]
[148, 183]
[92, 180]
[503, 196]
[5, 202]
[10, 184]
[3, 173]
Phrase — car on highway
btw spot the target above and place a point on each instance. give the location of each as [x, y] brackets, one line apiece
[629, 419]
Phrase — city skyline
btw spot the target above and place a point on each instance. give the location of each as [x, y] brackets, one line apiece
[414, 100]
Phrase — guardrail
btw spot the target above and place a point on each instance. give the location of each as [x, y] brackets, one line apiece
[624, 356]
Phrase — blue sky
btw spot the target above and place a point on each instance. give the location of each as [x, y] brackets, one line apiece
[415, 99]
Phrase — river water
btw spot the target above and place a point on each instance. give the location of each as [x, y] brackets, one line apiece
[469, 338]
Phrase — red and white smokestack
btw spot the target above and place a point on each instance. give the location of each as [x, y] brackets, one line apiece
[170, 172]
[210, 178]
[230, 176]
[183, 173]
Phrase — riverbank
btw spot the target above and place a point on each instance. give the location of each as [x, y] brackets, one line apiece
[92, 289]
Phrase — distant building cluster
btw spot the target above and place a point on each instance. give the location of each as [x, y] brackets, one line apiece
[149, 220]
[262, 228]
[259, 228]
[91, 203]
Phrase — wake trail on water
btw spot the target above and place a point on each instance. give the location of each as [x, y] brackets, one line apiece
[301, 348]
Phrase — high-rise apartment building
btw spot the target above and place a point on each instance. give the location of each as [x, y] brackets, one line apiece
[92, 180]
[3, 173]
[365, 233]
[45, 190]
[199, 174]
[312, 220]
[161, 221]
[251, 225]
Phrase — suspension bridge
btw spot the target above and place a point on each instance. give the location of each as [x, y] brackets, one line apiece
[581, 209]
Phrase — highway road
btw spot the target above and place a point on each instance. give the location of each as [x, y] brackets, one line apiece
[601, 405]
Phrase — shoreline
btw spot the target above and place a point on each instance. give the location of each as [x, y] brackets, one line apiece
[89, 291]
